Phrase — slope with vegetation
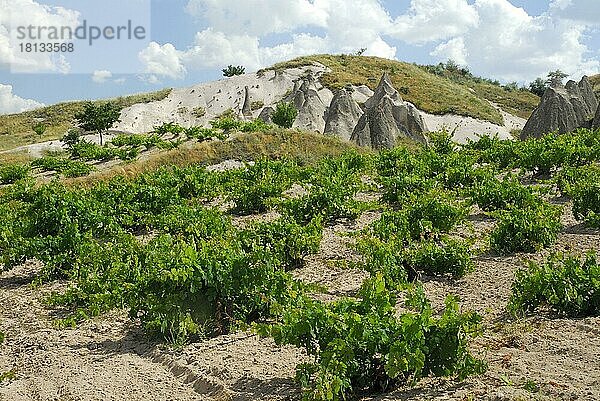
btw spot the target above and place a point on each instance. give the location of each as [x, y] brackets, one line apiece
[18, 129]
[438, 89]
[166, 244]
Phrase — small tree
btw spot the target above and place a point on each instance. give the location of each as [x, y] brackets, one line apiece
[98, 118]
[555, 78]
[538, 86]
[72, 137]
[284, 115]
[360, 51]
[39, 129]
[231, 70]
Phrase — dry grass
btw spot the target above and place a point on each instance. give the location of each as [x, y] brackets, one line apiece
[517, 102]
[16, 129]
[304, 147]
[15, 158]
[429, 92]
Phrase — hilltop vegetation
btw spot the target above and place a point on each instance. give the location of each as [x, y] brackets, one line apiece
[17, 129]
[445, 88]
[436, 92]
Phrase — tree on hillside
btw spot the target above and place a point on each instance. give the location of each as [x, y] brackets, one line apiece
[39, 129]
[98, 118]
[555, 78]
[538, 86]
[231, 70]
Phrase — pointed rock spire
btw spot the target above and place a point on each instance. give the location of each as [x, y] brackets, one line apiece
[562, 109]
[387, 118]
[343, 114]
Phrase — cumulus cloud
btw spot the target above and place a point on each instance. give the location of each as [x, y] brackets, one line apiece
[257, 17]
[493, 37]
[511, 45]
[11, 103]
[430, 20]
[163, 60]
[453, 49]
[101, 76]
[238, 28]
[17, 13]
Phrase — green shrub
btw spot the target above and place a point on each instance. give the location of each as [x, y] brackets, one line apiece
[286, 239]
[569, 178]
[168, 128]
[494, 194]
[12, 173]
[231, 70]
[564, 284]
[284, 115]
[360, 345]
[526, 229]
[444, 257]
[586, 202]
[66, 167]
[255, 187]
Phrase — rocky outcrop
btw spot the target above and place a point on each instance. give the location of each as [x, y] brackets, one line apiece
[343, 114]
[562, 109]
[266, 114]
[387, 119]
[247, 108]
[596, 122]
[311, 108]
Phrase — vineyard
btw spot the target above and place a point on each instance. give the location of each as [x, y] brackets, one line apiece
[196, 254]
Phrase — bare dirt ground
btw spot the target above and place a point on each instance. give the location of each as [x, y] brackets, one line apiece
[109, 358]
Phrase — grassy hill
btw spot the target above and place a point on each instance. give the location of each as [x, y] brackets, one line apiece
[436, 91]
[16, 129]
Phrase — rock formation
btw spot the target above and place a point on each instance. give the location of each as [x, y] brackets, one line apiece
[596, 122]
[343, 114]
[562, 109]
[310, 106]
[388, 118]
[247, 108]
[266, 114]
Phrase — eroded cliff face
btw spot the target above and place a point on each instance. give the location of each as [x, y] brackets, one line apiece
[370, 118]
[563, 109]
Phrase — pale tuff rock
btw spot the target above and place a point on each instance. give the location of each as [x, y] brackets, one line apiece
[562, 109]
[343, 115]
[311, 108]
[388, 118]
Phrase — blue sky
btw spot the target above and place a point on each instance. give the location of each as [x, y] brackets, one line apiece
[191, 40]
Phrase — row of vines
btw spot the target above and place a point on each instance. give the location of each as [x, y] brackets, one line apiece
[157, 246]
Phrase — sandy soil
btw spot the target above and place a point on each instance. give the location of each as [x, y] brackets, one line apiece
[109, 358]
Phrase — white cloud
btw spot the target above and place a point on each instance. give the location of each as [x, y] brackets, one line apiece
[430, 20]
[454, 49]
[163, 60]
[510, 44]
[11, 103]
[237, 29]
[213, 49]
[17, 13]
[493, 37]
[257, 17]
[101, 76]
